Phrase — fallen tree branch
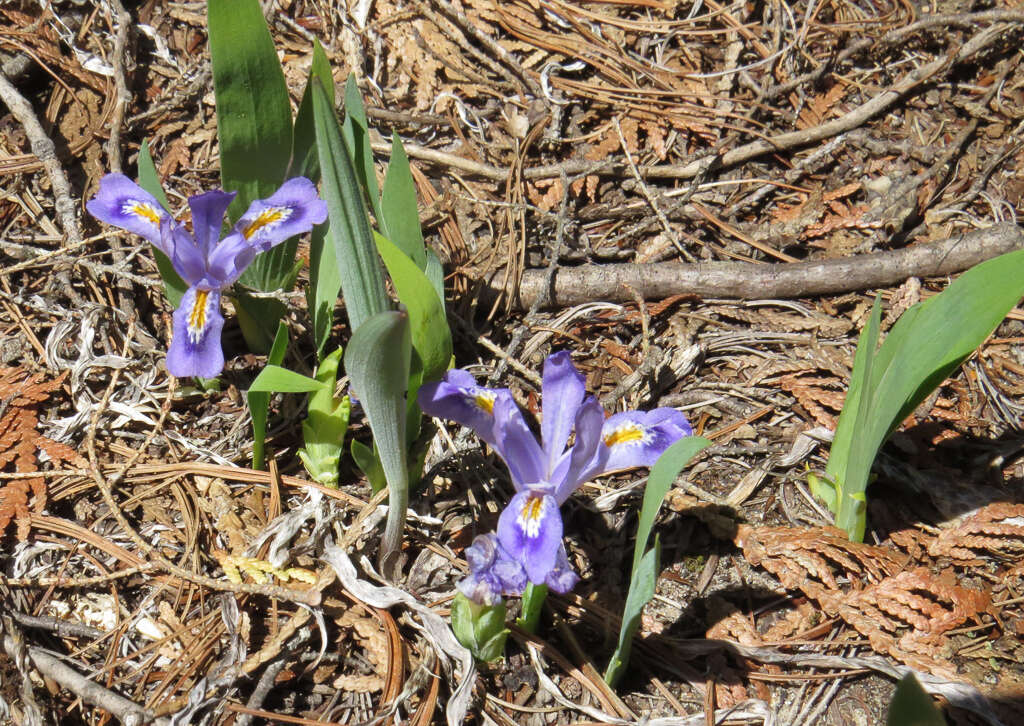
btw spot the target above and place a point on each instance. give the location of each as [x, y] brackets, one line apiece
[746, 280]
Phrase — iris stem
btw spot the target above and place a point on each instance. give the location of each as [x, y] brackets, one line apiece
[533, 601]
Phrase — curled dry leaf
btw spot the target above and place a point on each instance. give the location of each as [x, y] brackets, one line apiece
[996, 529]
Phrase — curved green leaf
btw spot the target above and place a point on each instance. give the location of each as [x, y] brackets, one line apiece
[431, 337]
[377, 361]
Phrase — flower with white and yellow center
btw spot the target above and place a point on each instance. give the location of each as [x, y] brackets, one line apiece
[545, 474]
[206, 262]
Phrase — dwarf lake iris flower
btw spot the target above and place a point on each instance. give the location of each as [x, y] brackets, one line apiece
[207, 263]
[545, 474]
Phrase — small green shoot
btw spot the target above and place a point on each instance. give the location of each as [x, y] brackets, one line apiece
[924, 347]
[480, 628]
[911, 706]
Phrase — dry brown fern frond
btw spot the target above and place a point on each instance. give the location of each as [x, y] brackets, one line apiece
[20, 395]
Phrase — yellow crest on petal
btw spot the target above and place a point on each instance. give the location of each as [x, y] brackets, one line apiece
[267, 218]
[530, 515]
[484, 400]
[627, 433]
[144, 210]
[198, 315]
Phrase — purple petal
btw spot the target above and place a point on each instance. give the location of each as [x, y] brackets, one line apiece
[181, 248]
[588, 453]
[530, 531]
[228, 260]
[492, 573]
[291, 210]
[638, 438]
[562, 395]
[208, 217]
[562, 577]
[195, 349]
[459, 398]
[123, 203]
[517, 445]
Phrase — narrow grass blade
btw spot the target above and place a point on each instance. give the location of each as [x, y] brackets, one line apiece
[149, 179]
[259, 400]
[642, 584]
[377, 361]
[275, 379]
[362, 282]
[659, 482]
[324, 275]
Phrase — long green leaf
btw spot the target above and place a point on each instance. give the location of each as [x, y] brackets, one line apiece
[304, 157]
[356, 132]
[259, 400]
[149, 179]
[324, 275]
[254, 133]
[642, 585]
[400, 220]
[254, 118]
[431, 337]
[362, 282]
[850, 506]
[644, 574]
[377, 361]
[663, 474]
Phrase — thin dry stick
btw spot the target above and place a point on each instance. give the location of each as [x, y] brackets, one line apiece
[128, 712]
[42, 147]
[748, 281]
[666, 227]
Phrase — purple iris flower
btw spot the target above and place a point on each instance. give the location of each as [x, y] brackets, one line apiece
[207, 263]
[492, 573]
[545, 474]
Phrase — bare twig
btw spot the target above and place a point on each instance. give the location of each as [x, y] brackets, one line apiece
[743, 280]
[42, 147]
[128, 712]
